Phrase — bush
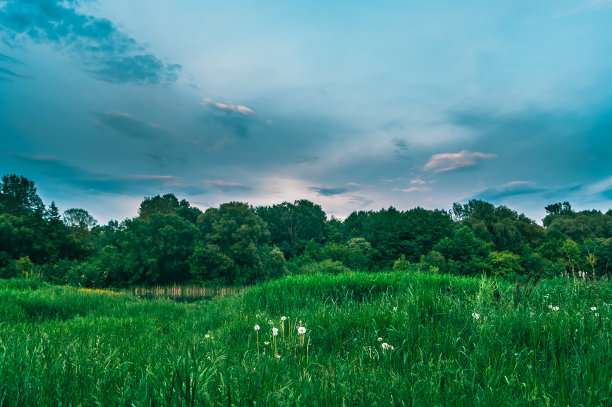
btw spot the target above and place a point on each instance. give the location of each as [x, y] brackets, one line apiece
[326, 267]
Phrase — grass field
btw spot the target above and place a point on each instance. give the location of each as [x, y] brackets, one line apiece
[370, 339]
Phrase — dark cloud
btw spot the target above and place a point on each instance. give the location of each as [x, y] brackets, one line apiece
[164, 156]
[226, 186]
[131, 126]
[333, 191]
[6, 73]
[563, 190]
[6, 58]
[401, 149]
[509, 189]
[107, 53]
[137, 68]
[96, 182]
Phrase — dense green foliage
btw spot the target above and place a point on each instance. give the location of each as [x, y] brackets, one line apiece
[172, 242]
[369, 339]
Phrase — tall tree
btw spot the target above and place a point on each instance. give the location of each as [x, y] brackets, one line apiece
[234, 245]
[293, 225]
[18, 196]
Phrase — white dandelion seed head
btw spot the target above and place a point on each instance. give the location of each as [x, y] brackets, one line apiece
[277, 356]
[386, 346]
[593, 308]
[301, 330]
[283, 318]
[475, 315]
[550, 306]
[596, 314]
[555, 308]
[394, 308]
[266, 343]
[256, 327]
[270, 322]
[379, 339]
[207, 336]
[274, 331]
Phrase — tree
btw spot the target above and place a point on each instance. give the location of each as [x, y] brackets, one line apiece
[155, 251]
[505, 263]
[164, 205]
[505, 228]
[80, 222]
[18, 196]
[464, 253]
[234, 245]
[292, 225]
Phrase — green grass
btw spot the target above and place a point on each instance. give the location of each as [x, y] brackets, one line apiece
[68, 346]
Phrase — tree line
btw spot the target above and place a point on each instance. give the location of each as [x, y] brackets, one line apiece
[171, 241]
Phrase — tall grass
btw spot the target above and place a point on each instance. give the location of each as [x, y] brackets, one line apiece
[456, 341]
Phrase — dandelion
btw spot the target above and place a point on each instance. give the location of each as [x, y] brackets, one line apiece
[379, 339]
[550, 306]
[257, 328]
[475, 315]
[274, 331]
[596, 314]
[266, 343]
[386, 346]
[277, 356]
[301, 330]
[283, 318]
[207, 336]
[593, 308]
[555, 308]
[394, 308]
[270, 322]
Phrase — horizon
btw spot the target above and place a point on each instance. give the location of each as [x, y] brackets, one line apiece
[351, 106]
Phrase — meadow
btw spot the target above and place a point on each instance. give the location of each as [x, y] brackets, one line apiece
[379, 339]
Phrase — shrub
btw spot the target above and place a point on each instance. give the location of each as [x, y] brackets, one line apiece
[325, 266]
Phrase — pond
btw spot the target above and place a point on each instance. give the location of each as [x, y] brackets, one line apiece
[184, 293]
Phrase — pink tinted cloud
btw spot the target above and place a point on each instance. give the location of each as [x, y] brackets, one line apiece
[228, 107]
[453, 161]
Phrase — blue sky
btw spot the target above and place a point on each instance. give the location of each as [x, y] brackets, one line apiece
[353, 105]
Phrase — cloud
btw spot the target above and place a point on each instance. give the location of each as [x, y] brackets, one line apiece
[127, 124]
[335, 190]
[401, 148]
[106, 53]
[453, 161]
[8, 74]
[418, 181]
[411, 189]
[226, 186]
[510, 189]
[97, 182]
[228, 107]
[244, 110]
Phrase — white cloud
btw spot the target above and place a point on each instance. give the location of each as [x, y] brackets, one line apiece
[453, 161]
[244, 110]
[228, 107]
[411, 189]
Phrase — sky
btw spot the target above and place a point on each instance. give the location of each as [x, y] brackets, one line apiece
[354, 105]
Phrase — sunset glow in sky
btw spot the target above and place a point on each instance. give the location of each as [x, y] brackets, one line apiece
[353, 105]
